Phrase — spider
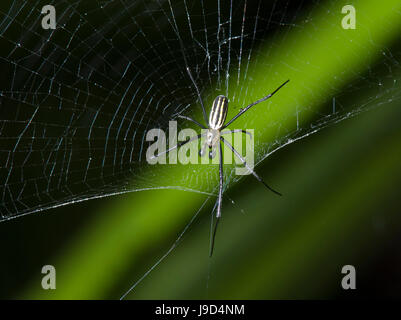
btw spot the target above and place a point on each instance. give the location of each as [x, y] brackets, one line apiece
[214, 127]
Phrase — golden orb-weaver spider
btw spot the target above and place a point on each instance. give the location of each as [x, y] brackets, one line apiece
[214, 126]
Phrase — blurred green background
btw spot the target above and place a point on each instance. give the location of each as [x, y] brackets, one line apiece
[340, 201]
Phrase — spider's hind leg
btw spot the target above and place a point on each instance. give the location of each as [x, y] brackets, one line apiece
[237, 154]
[219, 200]
[213, 236]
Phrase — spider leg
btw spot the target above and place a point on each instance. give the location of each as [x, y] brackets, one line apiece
[237, 130]
[246, 165]
[213, 236]
[218, 215]
[190, 74]
[199, 95]
[254, 103]
[178, 145]
[192, 120]
[219, 200]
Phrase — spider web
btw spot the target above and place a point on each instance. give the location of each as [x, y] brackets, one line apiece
[76, 102]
